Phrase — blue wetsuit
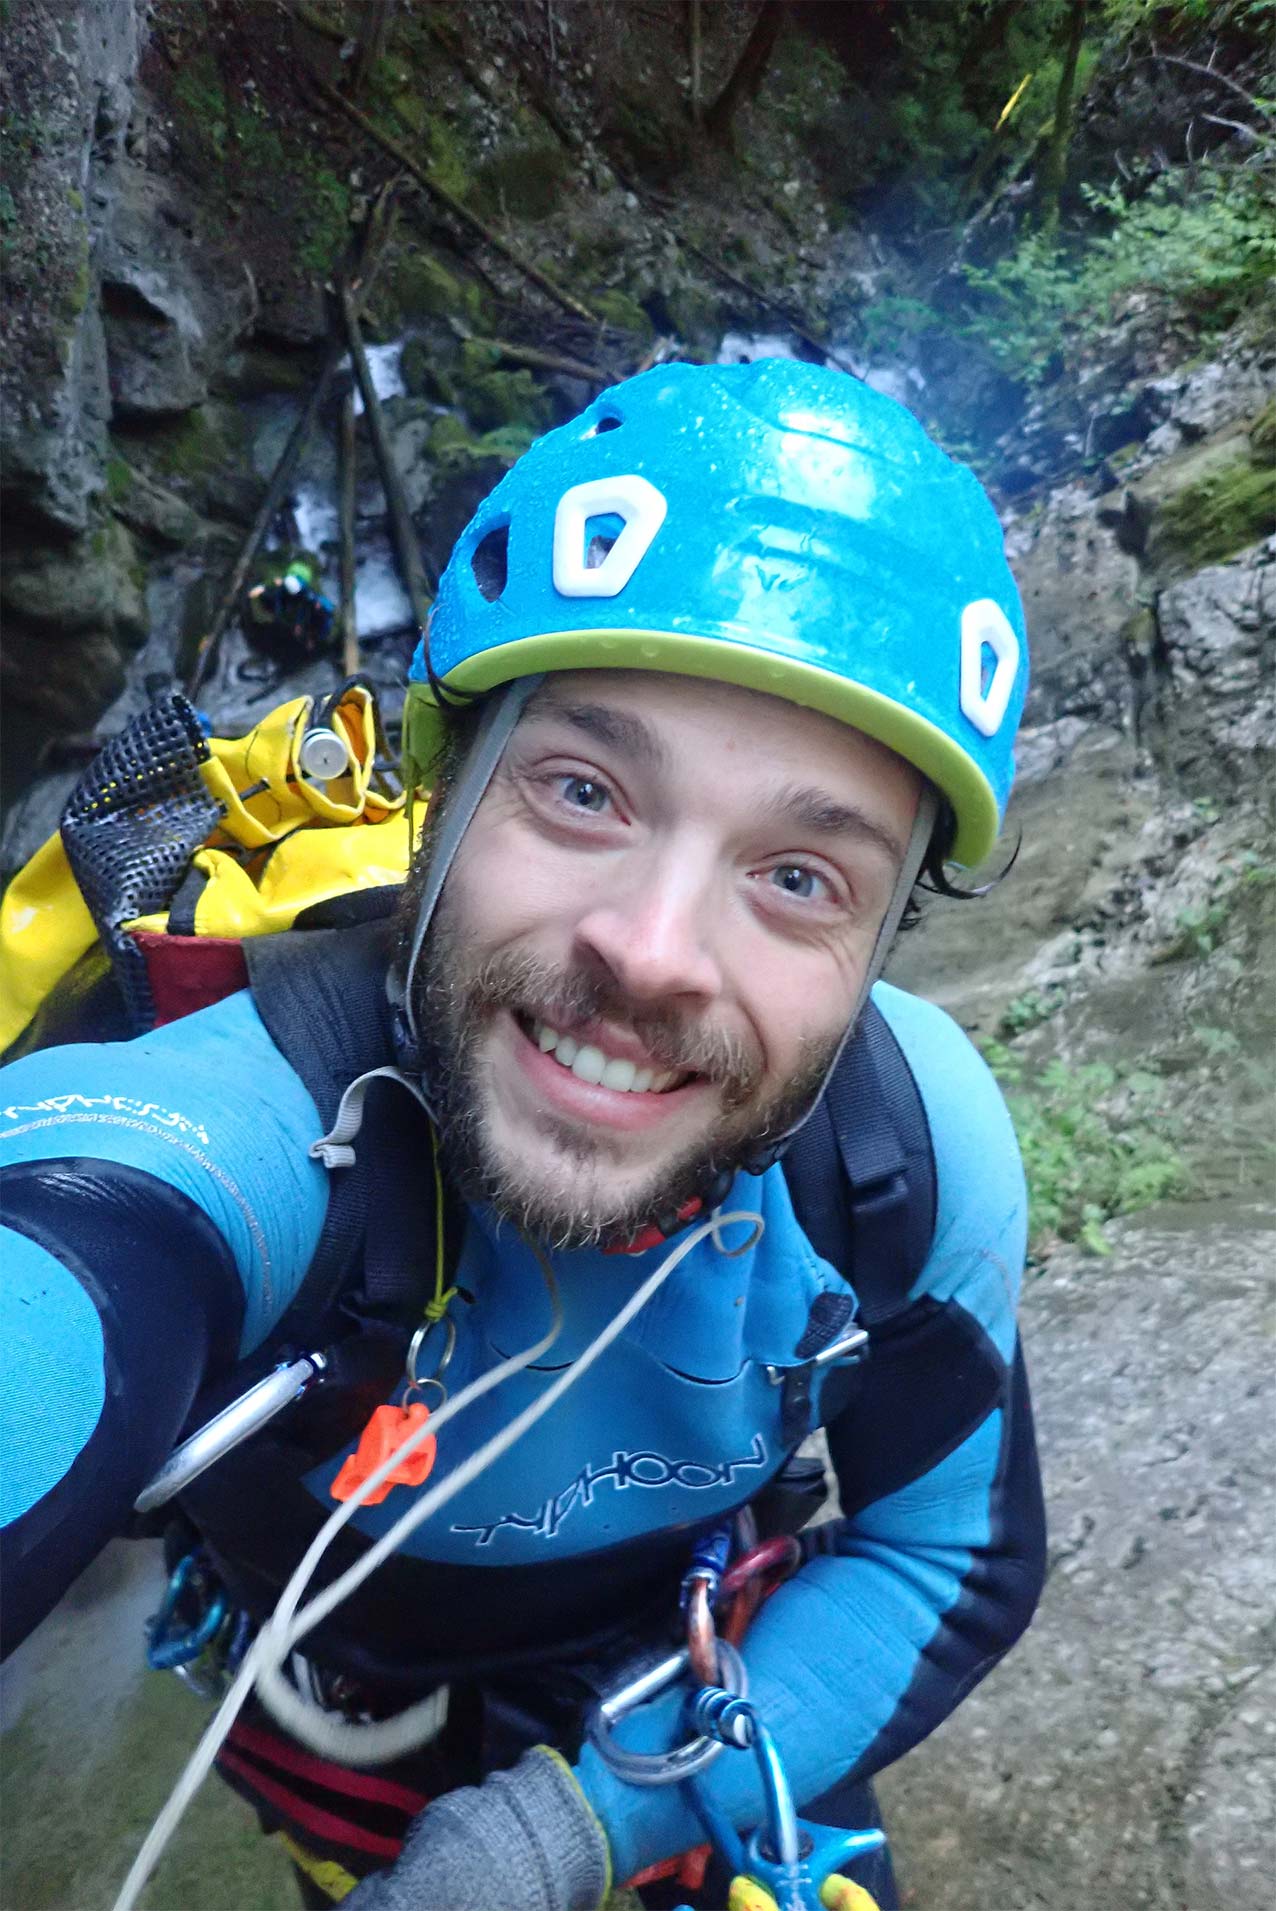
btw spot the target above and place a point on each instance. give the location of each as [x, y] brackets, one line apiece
[161, 1209]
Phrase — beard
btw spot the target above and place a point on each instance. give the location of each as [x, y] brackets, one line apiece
[579, 1199]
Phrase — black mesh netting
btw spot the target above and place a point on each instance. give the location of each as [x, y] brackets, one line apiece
[130, 827]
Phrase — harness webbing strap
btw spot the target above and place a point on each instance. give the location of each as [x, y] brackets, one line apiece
[861, 1171]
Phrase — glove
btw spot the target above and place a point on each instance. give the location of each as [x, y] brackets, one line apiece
[524, 1840]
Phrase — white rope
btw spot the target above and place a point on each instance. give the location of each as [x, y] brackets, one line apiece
[286, 1626]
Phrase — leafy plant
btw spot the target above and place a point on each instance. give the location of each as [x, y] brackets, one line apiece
[1027, 1010]
[1097, 1141]
[1202, 237]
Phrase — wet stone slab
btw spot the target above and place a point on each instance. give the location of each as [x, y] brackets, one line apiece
[1124, 1754]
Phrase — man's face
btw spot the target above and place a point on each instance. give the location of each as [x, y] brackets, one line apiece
[651, 941]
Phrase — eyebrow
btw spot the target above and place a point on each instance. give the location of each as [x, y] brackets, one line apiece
[617, 729]
[809, 808]
[816, 810]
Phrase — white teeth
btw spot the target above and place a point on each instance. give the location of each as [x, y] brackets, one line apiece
[590, 1064]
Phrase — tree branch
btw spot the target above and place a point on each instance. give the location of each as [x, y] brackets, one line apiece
[455, 206]
[1212, 73]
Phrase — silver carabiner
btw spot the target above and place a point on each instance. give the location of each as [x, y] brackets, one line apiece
[654, 1676]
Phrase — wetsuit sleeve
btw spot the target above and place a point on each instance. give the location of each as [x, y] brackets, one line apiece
[936, 1564]
[158, 1211]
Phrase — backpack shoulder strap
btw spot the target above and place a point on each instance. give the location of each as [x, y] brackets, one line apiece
[321, 994]
[861, 1171]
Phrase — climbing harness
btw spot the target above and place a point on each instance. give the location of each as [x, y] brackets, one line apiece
[384, 1740]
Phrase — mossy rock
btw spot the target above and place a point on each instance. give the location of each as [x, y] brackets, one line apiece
[420, 286]
[525, 178]
[453, 446]
[428, 371]
[95, 583]
[1204, 506]
[695, 315]
[1262, 433]
[618, 308]
[258, 372]
[449, 159]
[498, 400]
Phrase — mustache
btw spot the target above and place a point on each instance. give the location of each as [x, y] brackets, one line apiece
[530, 987]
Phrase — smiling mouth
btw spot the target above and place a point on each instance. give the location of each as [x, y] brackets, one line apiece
[592, 1064]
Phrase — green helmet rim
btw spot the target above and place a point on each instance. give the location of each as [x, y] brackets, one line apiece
[918, 741]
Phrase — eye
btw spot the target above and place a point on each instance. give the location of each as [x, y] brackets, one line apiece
[797, 881]
[583, 793]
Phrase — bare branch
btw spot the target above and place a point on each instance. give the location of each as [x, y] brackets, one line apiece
[1221, 79]
[1237, 126]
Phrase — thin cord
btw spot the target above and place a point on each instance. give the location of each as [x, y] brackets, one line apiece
[200, 1763]
[273, 1645]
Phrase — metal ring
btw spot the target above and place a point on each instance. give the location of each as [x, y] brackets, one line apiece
[684, 1761]
[419, 1387]
[414, 1348]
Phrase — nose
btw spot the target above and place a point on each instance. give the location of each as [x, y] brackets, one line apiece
[657, 936]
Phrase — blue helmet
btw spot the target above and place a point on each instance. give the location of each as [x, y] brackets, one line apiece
[776, 525]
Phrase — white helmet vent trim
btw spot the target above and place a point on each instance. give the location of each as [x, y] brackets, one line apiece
[984, 624]
[632, 498]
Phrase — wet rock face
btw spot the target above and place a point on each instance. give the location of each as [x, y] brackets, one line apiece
[69, 74]
[171, 312]
[1115, 1758]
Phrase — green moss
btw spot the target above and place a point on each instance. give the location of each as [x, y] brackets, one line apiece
[323, 218]
[1262, 433]
[495, 400]
[1224, 502]
[449, 160]
[119, 479]
[524, 177]
[424, 288]
[694, 313]
[427, 373]
[622, 311]
[453, 446]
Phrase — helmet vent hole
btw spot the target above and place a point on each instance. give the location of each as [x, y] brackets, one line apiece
[607, 423]
[600, 534]
[490, 563]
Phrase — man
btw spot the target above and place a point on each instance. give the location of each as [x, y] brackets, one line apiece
[288, 616]
[714, 673]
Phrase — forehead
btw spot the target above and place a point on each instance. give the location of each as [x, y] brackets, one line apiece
[695, 723]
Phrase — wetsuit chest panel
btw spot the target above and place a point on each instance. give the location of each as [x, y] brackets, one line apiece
[678, 1422]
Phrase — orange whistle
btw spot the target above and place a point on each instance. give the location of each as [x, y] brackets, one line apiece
[388, 1428]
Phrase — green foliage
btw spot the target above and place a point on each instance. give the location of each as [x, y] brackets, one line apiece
[1027, 1011]
[1096, 1142]
[262, 161]
[324, 217]
[119, 479]
[1202, 238]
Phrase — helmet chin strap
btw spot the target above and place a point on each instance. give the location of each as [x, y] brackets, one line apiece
[496, 727]
[757, 1159]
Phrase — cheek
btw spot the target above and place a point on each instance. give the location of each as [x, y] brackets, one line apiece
[503, 888]
[798, 1004]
